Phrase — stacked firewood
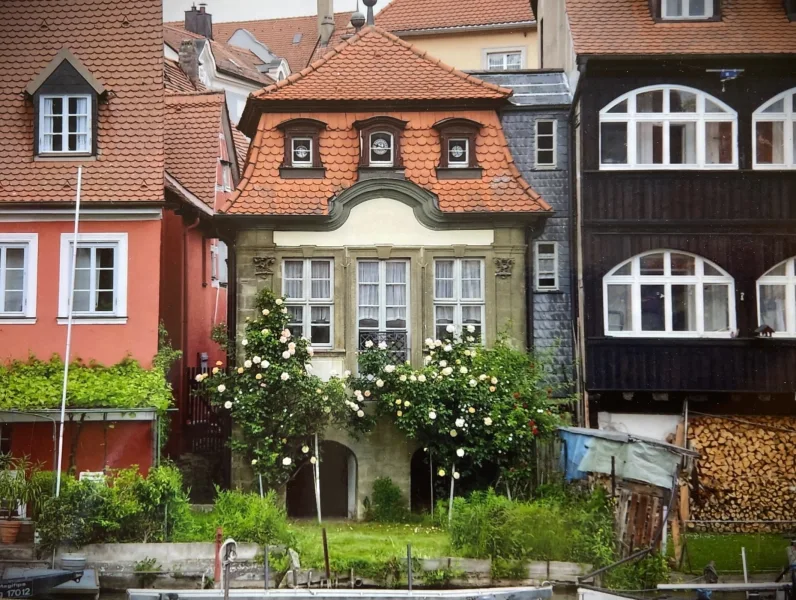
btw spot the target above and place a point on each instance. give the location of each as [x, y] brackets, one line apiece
[746, 472]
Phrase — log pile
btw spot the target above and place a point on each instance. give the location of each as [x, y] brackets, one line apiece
[747, 472]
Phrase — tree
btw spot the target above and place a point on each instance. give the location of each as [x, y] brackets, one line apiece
[468, 405]
[274, 399]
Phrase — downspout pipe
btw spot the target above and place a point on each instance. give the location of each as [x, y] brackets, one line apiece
[184, 298]
[530, 337]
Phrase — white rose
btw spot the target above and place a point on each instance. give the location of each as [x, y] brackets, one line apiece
[441, 472]
[265, 331]
[286, 354]
[443, 363]
[360, 414]
[432, 415]
[399, 402]
[426, 359]
[412, 378]
[258, 377]
[284, 376]
[492, 388]
[286, 333]
[482, 377]
[450, 329]
[429, 342]
[284, 311]
[459, 422]
[266, 312]
[448, 348]
[389, 368]
[311, 352]
[354, 406]
[470, 329]
[407, 404]
[291, 346]
[248, 364]
[437, 343]
[200, 378]
[279, 301]
[487, 421]
[473, 383]
[313, 460]
[369, 344]
[447, 371]
[471, 339]
[382, 345]
[265, 364]
[286, 461]
[454, 433]
[400, 413]
[421, 378]
[257, 360]
[402, 378]
[228, 404]
[222, 388]
[463, 370]
[254, 461]
[283, 340]
[467, 353]
[244, 342]
[292, 352]
[305, 449]
[471, 410]
[379, 383]
[456, 475]
[460, 452]
[494, 381]
[367, 393]
[346, 373]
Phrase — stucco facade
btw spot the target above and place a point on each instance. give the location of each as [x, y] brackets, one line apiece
[467, 51]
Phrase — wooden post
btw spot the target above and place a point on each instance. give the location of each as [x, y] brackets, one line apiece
[613, 477]
[219, 541]
[326, 557]
[676, 540]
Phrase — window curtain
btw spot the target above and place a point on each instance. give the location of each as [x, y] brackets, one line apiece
[443, 279]
[396, 294]
[716, 299]
[294, 273]
[368, 294]
[321, 274]
[772, 306]
[471, 279]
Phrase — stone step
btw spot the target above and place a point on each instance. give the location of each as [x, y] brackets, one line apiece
[17, 552]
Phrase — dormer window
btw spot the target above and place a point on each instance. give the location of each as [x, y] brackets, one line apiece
[380, 143]
[458, 158]
[302, 159]
[65, 124]
[687, 9]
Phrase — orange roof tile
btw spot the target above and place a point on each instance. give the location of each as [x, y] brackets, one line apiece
[193, 123]
[123, 49]
[376, 65]
[175, 79]
[417, 15]
[279, 35]
[241, 146]
[501, 188]
[626, 27]
[229, 59]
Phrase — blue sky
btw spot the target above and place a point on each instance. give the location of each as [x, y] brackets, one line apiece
[244, 10]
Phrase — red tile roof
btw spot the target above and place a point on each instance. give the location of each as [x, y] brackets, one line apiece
[501, 188]
[626, 27]
[175, 79]
[233, 61]
[417, 15]
[123, 49]
[376, 65]
[193, 123]
[279, 35]
[241, 146]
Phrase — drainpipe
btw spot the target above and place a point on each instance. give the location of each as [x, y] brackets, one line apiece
[184, 332]
[530, 338]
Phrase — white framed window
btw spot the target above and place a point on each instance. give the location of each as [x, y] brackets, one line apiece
[687, 9]
[774, 133]
[383, 304]
[666, 293]
[227, 184]
[308, 286]
[218, 263]
[458, 296]
[382, 149]
[546, 271]
[458, 153]
[668, 127]
[18, 273]
[776, 299]
[504, 59]
[546, 144]
[65, 124]
[301, 151]
[100, 292]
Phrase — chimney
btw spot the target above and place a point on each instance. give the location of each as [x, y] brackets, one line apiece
[189, 60]
[199, 21]
[325, 20]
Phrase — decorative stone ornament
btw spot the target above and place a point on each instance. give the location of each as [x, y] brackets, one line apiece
[503, 267]
[263, 265]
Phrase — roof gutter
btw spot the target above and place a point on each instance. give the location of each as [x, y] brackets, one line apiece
[465, 29]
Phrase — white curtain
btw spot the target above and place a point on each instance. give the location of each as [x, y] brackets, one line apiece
[684, 308]
[772, 306]
[321, 274]
[396, 291]
[471, 279]
[293, 286]
[716, 299]
[368, 290]
[443, 279]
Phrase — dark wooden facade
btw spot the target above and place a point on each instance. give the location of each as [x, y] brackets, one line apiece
[743, 220]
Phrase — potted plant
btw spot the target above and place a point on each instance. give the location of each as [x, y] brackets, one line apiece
[17, 488]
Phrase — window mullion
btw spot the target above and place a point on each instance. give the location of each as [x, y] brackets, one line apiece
[790, 308]
[635, 294]
[92, 284]
[3, 258]
[382, 295]
[700, 307]
[667, 307]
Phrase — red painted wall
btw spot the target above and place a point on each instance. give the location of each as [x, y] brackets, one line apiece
[115, 445]
[106, 344]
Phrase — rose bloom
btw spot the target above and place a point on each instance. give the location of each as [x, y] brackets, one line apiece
[247, 364]
[456, 475]
[473, 383]
[402, 378]
[286, 461]
[266, 312]
[382, 345]
[254, 461]
[450, 329]
[492, 388]
[240, 370]
[279, 301]
[258, 376]
[367, 393]
[360, 414]
[494, 381]
[454, 433]
[441, 472]
[284, 376]
[369, 344]
[470, 329]
[463, 370]
[379, 383]
[222, 388]
[228, 404]
[432, 415]
[421, 378]
[244, 342]
[219, 363]
[283, 340]
[443, 363]
[471, 410]
[257, 360]
[407, 404]
[460, 452]
[487, 421]
[448, 348]
[400, 413]
[215, 370]
[389, 368]
[399, 402]
[286, 354]
[459, 422]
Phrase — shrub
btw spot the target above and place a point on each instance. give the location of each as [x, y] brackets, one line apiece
[388, 504]
[250, 518]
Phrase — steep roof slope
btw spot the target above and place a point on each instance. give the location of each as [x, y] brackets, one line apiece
[417, 15]
[626, 27]
[123, 49]
[175, 79]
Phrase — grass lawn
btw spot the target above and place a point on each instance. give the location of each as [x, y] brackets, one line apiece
[367, 547]
[764, 552]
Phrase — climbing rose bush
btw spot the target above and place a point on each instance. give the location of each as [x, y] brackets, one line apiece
[468, 405]
[275, 400]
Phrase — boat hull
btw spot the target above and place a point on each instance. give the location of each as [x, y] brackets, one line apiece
[35, 585]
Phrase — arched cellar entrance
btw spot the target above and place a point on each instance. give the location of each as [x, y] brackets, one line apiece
[338, 474]
[420, 483]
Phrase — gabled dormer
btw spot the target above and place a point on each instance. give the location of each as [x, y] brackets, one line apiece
[685, 10]
[65, 98]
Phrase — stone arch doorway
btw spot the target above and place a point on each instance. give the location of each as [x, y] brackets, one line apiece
[420, 482]
[338, 473]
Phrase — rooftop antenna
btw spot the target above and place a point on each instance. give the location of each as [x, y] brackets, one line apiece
[370, 4]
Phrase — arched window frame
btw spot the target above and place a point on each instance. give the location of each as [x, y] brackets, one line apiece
[700, 117]
[788, 118]
[699, 280]
[789, 282]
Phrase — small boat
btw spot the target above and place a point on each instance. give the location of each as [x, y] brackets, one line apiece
[516, 593]
[37, 584]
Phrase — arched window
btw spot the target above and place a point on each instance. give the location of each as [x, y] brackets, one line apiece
[665, 293]
[776, 298]
[668, 127]
[774, 131]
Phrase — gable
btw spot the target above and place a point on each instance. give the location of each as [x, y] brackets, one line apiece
[65, 70]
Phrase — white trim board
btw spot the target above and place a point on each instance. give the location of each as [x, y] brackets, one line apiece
[27, 215]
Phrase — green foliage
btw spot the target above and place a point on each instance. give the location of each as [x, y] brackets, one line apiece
[147, 565]
[166, 355]
[127, 507]
[19, 483]
[389, 504]
[220, 335]
[644, 574]
[277, 404]
[36, 385]
[250, 518]
[440, 578]
[468, 405]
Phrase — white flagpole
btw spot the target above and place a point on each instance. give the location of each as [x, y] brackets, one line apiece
[316, 471]
[67, 354]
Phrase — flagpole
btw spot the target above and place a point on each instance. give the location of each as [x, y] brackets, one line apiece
[67, 354]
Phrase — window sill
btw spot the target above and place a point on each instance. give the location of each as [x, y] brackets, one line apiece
[93, 320]
[444, 173]
[556, 291]
[302, 172]
[545, 168]
[17, 321]
[64, 157]
[381, 173]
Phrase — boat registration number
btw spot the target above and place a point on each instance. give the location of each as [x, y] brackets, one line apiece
[16, 592]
